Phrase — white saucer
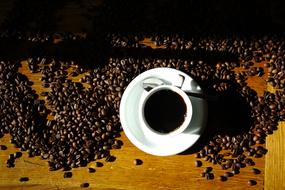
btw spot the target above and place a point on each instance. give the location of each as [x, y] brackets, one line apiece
[129, 114]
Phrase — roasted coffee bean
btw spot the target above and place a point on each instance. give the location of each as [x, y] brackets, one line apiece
[197, 155]
[257, 155]
[209, 176]
[99, 164]
[18, 154]
[251, 182]
[228, 174]
[110, 158]
[45, 85]
[10, 163]
[138, 162]
[208, 169]
[11, 157]
[3, 147]
[84, 185]
[74, 74]
[198, 163]
[24, 179]
[91, 170]
[223, 167]
[67, 174]
[223, 178]
[207, 158]
[235, 171]
[255, 171]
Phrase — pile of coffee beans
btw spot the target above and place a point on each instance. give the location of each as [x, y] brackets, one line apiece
[78, 121]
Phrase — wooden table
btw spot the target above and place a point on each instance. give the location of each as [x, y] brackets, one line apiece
[172, 172]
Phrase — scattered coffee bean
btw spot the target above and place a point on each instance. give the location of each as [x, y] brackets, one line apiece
[255, 171]
[91, 170]
[110, 158]
[3, 147]
[67, 174]
[18, 154]
[251, 182]
[209, 176]
[208, 169]
[234, 172]
[11, 157]
[45, 85]
[84, 185]
[24, 179]
[197, 155]
[99, 164]
[223, 178]
[10, 163]
[228, 174]
[198, 163]
[137, 162]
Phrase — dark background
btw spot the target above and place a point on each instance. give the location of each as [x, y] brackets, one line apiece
[145, 16]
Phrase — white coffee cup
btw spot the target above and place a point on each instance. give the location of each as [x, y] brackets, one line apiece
[179, 128]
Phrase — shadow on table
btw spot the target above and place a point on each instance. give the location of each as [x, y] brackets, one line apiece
[229, 115]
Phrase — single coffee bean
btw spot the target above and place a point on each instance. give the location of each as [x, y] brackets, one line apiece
[99, 164]
[138, 162]
[223, 178]
[207, 158]
[45, 85]
[223, 166]
[255, 171]
[67, 174]
[257, 155]
[18, 154]
[11, 157]
[251, 182]
[198, 163]
[24, 179]
[208, 169]
[84, 185]
[197, 155]
[3, 147]
[228, 174]
[91, 170]
[110, 158]
[209, 176]
[235, 171]
[74, 74]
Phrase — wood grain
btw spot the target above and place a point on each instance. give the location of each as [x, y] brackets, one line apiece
[275, 162]
[172, 172]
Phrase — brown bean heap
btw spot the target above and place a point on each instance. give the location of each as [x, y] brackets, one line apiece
[85, 121]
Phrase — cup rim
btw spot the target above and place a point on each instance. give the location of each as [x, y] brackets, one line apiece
[188, 117]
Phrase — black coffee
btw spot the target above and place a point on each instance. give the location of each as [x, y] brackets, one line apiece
[165, 111]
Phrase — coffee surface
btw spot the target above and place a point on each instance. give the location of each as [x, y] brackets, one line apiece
[165, 111]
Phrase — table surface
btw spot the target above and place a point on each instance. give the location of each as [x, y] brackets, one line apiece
[171, 172]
